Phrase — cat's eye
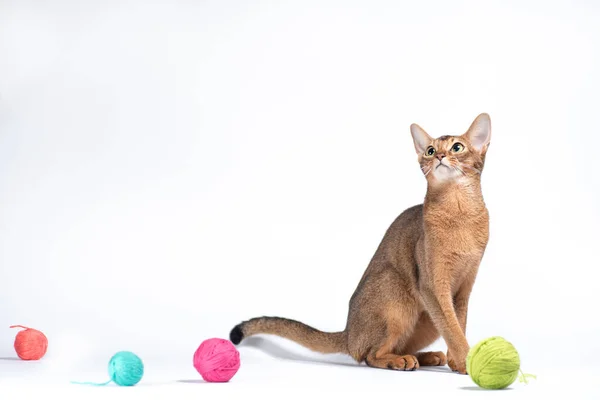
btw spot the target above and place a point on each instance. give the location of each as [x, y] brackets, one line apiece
[430, 151]
[458, 147]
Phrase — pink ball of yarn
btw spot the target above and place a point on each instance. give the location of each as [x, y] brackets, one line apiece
[217, 360]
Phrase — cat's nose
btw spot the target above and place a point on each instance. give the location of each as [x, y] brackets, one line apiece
[440, 156]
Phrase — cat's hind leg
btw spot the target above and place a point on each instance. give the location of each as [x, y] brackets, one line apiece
[383, 314]
[424, 334]
[400, 323]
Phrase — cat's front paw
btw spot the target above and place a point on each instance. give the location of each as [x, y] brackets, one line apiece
[456, 366]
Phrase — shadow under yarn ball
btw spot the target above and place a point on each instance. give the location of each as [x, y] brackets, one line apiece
[217, 360]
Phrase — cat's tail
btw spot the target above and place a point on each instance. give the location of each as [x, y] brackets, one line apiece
[307, 336]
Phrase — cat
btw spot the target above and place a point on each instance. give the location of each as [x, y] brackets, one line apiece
[417, 285]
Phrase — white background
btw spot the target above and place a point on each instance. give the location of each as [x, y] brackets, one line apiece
[168, 169]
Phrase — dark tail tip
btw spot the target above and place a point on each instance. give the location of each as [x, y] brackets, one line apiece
[236, 335]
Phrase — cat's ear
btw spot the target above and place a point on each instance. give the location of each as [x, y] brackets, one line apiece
[420, 138]
[480, 132]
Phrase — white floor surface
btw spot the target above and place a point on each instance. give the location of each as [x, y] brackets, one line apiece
[269, 372]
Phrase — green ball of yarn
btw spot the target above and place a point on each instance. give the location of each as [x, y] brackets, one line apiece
[493, 363]
[125, 368]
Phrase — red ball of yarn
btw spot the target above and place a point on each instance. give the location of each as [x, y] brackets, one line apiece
[217, 360]
[30, 344]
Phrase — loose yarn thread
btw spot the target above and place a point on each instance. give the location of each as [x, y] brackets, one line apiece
[494, 363]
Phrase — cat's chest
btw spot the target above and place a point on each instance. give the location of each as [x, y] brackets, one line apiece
[454, 253]
[465, 239]
[460, 240]
[465, 229]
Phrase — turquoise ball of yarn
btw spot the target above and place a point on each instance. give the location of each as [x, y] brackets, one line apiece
[125, 368]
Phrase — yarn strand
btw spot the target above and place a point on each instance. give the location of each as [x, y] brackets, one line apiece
[19, 326]
[523, 377]
[92, 383]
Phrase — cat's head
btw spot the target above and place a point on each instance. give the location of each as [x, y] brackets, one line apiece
[450, 158]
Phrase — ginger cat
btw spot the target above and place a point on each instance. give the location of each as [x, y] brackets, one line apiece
[418, 283]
